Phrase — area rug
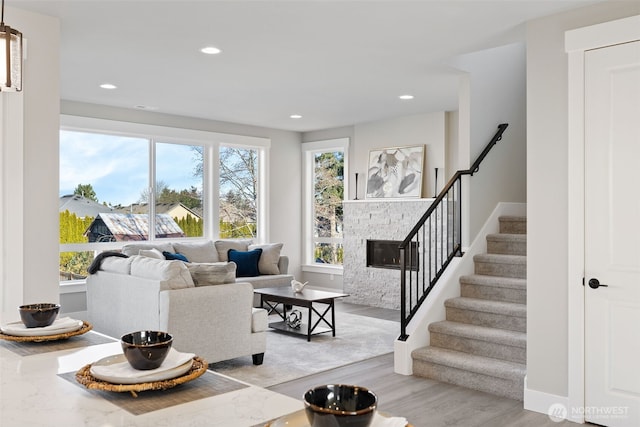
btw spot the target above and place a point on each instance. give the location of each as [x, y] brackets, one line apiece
[289, 357]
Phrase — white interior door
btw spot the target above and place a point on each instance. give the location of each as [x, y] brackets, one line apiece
[612, 235]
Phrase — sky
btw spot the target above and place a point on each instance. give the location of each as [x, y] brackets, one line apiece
[117, 167]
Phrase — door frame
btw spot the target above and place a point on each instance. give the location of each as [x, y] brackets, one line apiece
[577, 42]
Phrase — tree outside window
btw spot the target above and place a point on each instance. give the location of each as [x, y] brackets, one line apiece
[328, 194]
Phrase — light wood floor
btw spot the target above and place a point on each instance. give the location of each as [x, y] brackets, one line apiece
[424, 402]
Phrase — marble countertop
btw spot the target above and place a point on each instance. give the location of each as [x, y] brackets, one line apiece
[33, 393]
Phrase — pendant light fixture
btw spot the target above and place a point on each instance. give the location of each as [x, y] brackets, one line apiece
[10, 57]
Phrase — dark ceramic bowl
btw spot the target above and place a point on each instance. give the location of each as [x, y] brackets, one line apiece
[146, 349]
[340, 405]
[38, 315]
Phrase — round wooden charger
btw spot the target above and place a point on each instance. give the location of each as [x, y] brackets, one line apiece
[84, 377]
[86, 327]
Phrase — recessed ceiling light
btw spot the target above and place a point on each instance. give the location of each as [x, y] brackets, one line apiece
[406, 97]
[210, 50]
[146, 107]
[108, 86]
[295, 116]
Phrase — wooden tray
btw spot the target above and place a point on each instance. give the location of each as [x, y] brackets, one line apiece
[86, 327]
[84, 377]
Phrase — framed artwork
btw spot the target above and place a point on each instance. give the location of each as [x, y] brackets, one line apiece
[395, 172]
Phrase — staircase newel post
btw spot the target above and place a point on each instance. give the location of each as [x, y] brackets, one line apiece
[459, 224]
[403, 296]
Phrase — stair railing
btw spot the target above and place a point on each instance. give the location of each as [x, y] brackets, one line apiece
[434, 241]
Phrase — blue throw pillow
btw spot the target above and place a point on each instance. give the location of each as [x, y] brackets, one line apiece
[178, 256]
[247, 262]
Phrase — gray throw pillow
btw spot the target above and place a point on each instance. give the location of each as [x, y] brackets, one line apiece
[131, 249]
[212, 273]
[223, 247]
[197, 251]
[268, 262]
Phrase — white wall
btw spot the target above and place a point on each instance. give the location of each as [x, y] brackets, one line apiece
[493, 92]
[30, 207]
[547, 210]
[427, 129]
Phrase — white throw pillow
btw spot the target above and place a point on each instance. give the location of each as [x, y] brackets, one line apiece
[198, 251]
[268, 262]
[134, 248]
[151, 253]
[223, 247]
[213, 273]
[115, 264]
[173, 274]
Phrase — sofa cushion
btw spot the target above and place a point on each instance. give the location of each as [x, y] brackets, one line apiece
[247, 262]
[171, 274]
[197, 251]
[268, 263]
[177, 256]
[116, 265]
[212, 273]
[152, 253]
[134, 248]
[223, 246]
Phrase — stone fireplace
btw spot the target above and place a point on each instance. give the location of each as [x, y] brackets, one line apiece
[378, 221]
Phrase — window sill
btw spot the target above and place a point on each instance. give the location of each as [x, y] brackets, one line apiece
[71, 287]
[323, 269]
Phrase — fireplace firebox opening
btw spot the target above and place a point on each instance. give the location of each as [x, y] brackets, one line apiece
[386, 254]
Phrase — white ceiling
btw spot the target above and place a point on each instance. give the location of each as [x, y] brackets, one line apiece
[336, 63]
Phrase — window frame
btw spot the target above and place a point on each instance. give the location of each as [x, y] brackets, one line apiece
[309, 150]
[211, 141]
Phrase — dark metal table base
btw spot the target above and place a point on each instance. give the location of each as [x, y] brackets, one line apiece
[272, 301]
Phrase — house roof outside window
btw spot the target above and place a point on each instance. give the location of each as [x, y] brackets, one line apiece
[119, 227]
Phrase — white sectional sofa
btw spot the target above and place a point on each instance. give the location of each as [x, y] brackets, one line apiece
[273, 266]
[208, 310]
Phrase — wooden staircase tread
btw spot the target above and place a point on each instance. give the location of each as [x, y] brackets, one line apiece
[470, 362]
[480, 333]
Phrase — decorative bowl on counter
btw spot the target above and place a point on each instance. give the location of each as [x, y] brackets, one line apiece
[340, 405]
[38, 315]
[146, 349]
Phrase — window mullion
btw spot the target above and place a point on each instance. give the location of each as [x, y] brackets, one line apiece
[152, 189]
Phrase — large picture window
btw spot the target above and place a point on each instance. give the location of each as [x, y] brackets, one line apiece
[127, 183]
[325, 169]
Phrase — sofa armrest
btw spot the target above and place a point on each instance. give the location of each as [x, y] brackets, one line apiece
[119, 303]
[211, 321]
[283, 264]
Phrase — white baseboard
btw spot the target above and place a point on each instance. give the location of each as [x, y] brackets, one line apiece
[548, 404]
